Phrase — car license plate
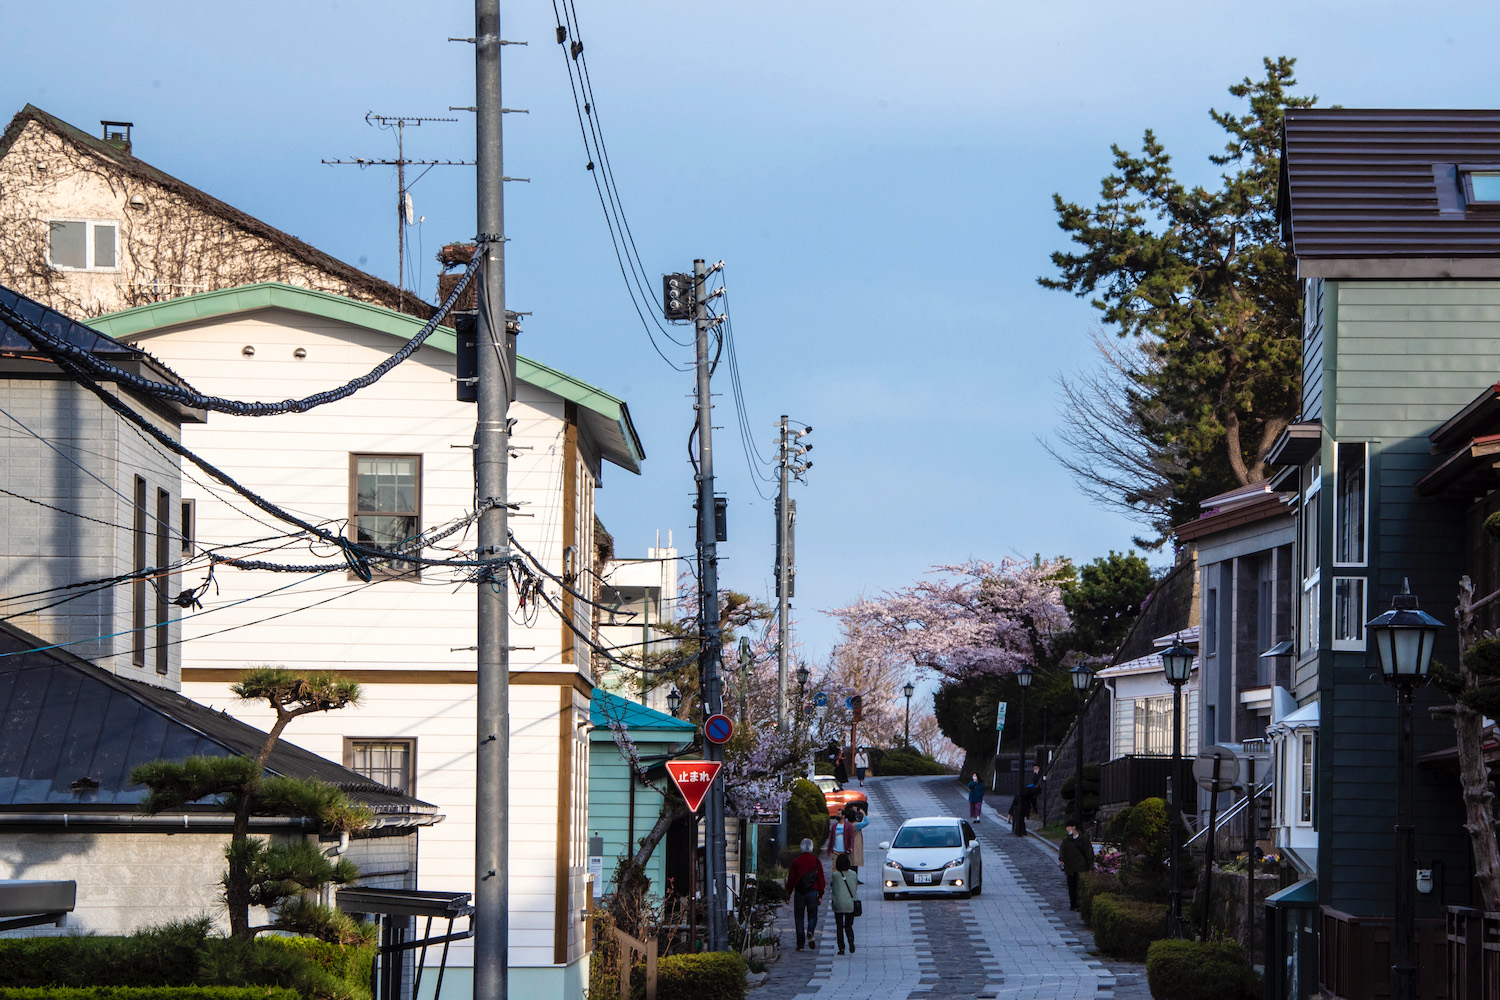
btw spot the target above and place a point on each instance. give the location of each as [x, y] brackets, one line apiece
[923, 878]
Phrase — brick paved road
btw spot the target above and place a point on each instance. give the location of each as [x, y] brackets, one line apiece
[1010, 942]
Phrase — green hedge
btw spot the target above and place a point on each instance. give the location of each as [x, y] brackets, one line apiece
[806, 814]
[183, 954]
[1124, 928]
[149, 993]
[1200, 970]
[710, 975]
[906, 761]
[1091, 884]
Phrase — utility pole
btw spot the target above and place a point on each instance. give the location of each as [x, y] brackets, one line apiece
[400, 123]
[708, 617]
[784, 576]
[491, 455]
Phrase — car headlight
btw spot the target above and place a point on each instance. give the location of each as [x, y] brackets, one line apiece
[894, 864]
[955, 862]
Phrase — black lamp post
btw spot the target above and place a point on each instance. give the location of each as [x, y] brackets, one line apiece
[674, 701]
[1082, 678]
[1177, 662]
[802, 675]
[1018, 809]
[909, 689]
[1404, 637]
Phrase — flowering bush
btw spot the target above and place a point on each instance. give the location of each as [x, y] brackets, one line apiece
[1108, 861]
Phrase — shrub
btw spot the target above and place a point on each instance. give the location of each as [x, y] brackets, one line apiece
[806, 814]
[147, 993]
[908, 760]
[1124, 928]
[1091, 884]
[1090, 792]
[709, 975]
[1199, 970]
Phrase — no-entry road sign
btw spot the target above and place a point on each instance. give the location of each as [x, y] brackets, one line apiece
[693, 778]
[718, 729]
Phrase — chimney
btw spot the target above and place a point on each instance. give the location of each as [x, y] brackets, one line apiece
[117, 134]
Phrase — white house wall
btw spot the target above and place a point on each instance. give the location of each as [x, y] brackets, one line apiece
[406, 628]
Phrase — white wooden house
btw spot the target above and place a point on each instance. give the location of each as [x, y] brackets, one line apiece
[394, 459]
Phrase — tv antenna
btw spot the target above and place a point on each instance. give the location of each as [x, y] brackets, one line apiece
[405, 215]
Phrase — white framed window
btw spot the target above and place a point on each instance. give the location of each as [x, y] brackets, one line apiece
[1309, 541]
[1348, 612]
[83, 244]
[390, 761]
[1305, 786]
[1351, 508]
[1153, 726]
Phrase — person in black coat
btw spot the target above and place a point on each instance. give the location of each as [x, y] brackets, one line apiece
[1075, 857]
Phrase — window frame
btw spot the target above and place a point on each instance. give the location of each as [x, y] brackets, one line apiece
[1338, 503]
[1309, 528]
[1307, 776]
[1360, 617]
[138, 528]
[1466, 172]
[89, 228]
[351, 743]
[395, 567]
[162, 640]
[187, 525]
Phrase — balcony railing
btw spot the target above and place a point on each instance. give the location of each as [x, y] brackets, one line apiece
[1134, 777]
[1355, 955]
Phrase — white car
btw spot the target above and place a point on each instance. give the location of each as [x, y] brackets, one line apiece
[933, 855]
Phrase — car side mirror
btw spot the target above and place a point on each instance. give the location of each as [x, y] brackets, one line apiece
[974, 843]
[885, 845]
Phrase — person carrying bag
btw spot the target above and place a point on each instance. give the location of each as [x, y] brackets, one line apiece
[846, 902]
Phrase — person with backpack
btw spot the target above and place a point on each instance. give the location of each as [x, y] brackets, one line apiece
[804, 885]
[846, 904]
[846, 838]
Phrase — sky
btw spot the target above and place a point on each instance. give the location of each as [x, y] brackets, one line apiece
[877, 178]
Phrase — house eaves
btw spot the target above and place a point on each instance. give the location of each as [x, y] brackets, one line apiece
[134, 167]
[605, 417]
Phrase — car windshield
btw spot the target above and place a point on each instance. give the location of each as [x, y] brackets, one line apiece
[928, 836]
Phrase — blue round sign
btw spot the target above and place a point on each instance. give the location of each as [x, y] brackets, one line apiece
[718, 729]
[820, 699]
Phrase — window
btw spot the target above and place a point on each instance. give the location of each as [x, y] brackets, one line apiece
[1153, 726]
[163, 582]
[1310, 544]
[1348, 612]
[1211, 622]
[1350, 509]
[386, 761]
[138, 585]
[188, 526]
[81, 245]
[1481, 184]
[1305, 791]
[385, 501]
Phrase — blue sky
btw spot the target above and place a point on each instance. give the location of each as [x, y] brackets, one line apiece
[876, 176]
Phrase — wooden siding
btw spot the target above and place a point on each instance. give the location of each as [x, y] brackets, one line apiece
[1314, 322]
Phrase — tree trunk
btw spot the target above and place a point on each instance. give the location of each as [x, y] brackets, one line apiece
[670, 811]
[1474, 775]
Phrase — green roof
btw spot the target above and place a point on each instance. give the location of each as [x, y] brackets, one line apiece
[606, 417]
[634, 716]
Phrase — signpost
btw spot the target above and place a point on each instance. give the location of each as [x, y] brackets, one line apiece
[999, 733]
[693, 779]
[1216, 770]
[718, 729]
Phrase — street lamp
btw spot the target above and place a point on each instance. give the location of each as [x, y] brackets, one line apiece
[1404, 637]
[1019, 803]
[909, 690]
[1177, 662]
[802, 675]
[1082, 678]
[674, 701]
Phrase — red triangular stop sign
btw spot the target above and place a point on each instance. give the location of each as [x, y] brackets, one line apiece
[693, 778]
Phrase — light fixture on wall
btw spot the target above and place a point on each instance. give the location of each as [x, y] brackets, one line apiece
[300, 353]
[248, 351]
[137, 203]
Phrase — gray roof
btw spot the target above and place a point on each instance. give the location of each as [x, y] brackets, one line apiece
[64, 720]
[1377, 193]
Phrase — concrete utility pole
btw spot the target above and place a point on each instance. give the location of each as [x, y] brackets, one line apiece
[491, 454]
[708, 620]
[783, 575]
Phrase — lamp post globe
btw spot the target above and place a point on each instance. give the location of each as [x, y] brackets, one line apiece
[1177, 664]
[908, 689]
[674, 701]
[1404, 637]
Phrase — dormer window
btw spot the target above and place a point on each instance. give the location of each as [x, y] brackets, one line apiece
[1481, 184]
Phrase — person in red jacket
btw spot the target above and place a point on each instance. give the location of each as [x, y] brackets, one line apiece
[804, 884]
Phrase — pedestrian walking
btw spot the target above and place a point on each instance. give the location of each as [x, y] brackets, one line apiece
[976, 798]
[861, 764]
[845, 836]
[1033, 790]
[841, 768]
[845, 901]
[804, 884]
[1075, 857]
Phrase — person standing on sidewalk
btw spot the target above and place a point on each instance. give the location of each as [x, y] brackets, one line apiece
[861, 764]
[846, 838]
[804, 885]
[845, 901]
[1074, 857]
[976, 798]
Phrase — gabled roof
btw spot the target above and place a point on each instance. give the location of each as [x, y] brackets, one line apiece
[605, 707]
[1376, 193]
[130, 165]
[605, 417]
[64, 720]
[15, 347]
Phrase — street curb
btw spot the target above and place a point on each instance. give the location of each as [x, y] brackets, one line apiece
[1049, 845]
